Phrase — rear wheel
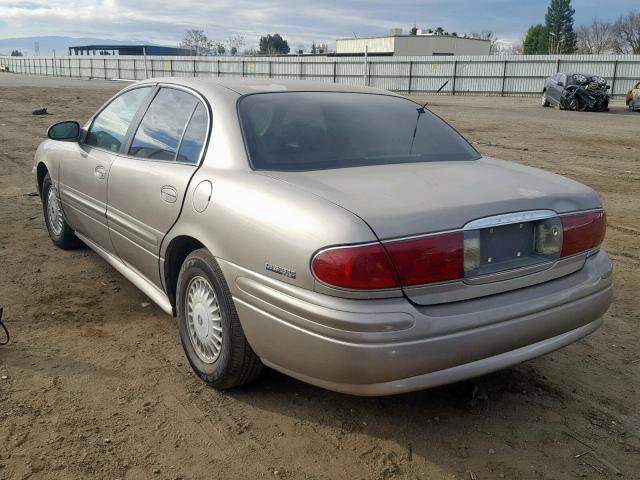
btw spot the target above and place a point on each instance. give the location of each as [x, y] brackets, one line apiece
[210, 330]
[60, 232]
[631, 105]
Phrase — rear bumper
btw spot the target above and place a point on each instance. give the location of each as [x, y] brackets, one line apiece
[381, 347]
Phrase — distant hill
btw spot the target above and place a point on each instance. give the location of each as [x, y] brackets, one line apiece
[60, 44]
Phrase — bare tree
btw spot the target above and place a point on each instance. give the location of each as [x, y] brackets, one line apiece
[198, 41]
[236, 42]
[627, 33]
[596, 38]
[487, 35]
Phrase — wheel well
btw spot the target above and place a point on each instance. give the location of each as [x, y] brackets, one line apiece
[177, 252]
[41, 173]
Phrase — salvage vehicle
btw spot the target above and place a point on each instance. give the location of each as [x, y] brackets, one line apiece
[289, 224]
[575, 91]
[632, 99]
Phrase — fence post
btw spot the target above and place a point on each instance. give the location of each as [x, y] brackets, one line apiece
[195, 74]
[335, 71]
[243, 67]
[613, 78]
[300, 71]
[91, 68]
[504, 76]
[118, 66]
[270, 73]
[104, 66]
[410, 76]
[557, 64]
[455, 72]
[70, 67]
[170, 65]
[219, 67]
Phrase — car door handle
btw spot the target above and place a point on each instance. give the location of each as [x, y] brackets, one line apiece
[169, 194]
[100, 172]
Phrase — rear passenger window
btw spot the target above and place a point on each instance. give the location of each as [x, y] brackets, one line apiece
[194, 136]
[111, 124]
[158, 135]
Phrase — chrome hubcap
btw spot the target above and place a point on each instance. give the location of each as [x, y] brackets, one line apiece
[204, 320]
[54, 212]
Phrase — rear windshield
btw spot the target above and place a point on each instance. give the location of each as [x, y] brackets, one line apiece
[323, 130]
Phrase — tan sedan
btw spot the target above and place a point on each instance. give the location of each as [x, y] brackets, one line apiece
[345, 236]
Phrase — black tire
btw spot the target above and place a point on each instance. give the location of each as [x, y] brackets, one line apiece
[236, 362]
[64, 238]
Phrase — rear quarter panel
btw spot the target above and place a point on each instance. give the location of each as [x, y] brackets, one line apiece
[253, 220]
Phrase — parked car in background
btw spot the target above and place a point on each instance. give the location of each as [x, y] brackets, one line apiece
[290, 224]
[633, 97]
[575, 91]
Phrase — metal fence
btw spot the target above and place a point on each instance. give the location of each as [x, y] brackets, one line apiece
[466, 75]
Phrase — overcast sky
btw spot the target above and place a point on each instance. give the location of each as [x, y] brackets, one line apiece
[164, 21]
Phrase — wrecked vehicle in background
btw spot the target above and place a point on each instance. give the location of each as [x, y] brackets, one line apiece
[633, 98]
[575, 91]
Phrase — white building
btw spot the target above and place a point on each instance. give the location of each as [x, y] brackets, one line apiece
[413, 45]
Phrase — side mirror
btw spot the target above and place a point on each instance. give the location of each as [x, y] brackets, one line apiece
[64, 131]
[560, 84]
[608, 87]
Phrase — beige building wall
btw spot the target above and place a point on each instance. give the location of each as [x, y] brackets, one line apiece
[414, 45]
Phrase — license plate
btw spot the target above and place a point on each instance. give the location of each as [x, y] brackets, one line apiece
[506, 247]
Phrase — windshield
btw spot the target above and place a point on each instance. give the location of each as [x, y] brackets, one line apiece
[323, 130]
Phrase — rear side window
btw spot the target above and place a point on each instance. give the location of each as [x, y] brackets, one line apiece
[292, 131]
[111, 124]
[194, 136]
[161, 129]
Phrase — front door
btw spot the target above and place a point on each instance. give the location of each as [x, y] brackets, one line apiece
[84, 169]
[147, 185]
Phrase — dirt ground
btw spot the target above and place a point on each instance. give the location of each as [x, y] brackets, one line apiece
[94, 383]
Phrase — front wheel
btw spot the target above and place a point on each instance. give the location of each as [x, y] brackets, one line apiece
[545, 102]
[210, 330]
[61, 234]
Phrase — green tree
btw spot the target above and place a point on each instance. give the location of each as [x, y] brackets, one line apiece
[16, 53]
[439, 31]
[537, 40]
[273, 45]
[559, 23]
[413, 31]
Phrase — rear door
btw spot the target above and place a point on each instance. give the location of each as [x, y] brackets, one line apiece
[147, 185]
[84, 171]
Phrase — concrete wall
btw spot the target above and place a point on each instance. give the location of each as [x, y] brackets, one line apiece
[414, 45]
[419, 45]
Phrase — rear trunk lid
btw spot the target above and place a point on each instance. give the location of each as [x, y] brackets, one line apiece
[405, 200]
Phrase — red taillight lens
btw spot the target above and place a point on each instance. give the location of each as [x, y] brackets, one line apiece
[582, 231]
[366, 267]
[429, 259]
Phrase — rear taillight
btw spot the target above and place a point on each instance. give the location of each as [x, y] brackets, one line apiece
[446, 256]
[429, 259]
[364, 267]
[582, 231]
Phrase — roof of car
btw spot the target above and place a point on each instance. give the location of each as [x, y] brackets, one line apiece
[245, 86]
